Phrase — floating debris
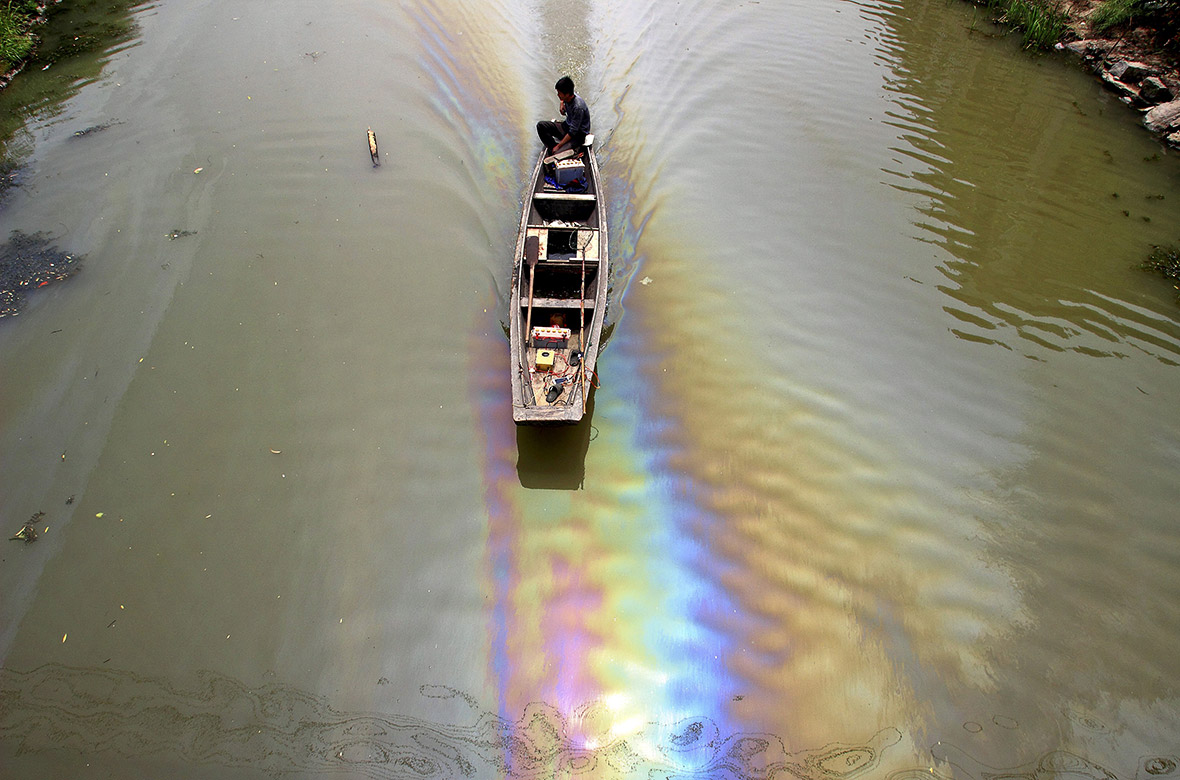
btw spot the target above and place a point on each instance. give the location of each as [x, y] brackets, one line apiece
[12, 174]
[28, 534]
[1165, 261]
[373, 148]
[96, 128]
[29, 261]
[176, 233]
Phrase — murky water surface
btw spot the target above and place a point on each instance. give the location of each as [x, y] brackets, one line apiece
[880, 480]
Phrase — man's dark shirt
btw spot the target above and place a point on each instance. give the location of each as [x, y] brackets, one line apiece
[577, 116]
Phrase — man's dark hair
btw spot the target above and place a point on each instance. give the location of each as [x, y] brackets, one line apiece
[565, 85]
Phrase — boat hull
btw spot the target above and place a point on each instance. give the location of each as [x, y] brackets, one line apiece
[558, 299]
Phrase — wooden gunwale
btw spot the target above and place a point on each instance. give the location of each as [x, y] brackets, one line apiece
[527, 408]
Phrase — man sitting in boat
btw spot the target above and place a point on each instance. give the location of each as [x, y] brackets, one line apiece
[571, 132]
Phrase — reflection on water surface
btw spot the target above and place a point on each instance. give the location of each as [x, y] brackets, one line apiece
[218, 721]
[863, 494]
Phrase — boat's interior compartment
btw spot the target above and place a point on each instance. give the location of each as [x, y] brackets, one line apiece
[563, 281]
[564, 242]
[560, 206]
[554, 352]
[562, 308]
[570, 244]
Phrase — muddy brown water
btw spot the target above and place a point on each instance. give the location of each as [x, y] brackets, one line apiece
[879, 480]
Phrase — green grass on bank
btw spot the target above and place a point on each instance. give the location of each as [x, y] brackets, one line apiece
[1042, 23]
[16, 41]
[1112, 14]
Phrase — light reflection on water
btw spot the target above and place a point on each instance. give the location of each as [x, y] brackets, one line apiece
[827, 520]
[216, 722]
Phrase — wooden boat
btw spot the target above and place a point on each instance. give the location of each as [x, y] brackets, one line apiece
[559, 283]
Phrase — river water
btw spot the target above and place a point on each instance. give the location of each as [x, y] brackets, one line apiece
[880, 479]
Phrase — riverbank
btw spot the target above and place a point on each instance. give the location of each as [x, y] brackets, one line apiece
[19, 23]
[41, 35]
[55, 47]
[1132, 46]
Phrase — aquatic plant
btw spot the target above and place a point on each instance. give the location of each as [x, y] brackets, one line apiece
[1164, 260]
[28, 533]
[1041, 23]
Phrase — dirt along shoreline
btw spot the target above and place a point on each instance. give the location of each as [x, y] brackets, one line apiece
[1131, 46]
[24, 25]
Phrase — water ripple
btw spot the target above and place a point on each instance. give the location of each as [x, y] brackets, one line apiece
[279, 730]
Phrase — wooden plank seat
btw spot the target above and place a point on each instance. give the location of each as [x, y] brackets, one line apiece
[566, 262]
[564, 196]
[558, 303]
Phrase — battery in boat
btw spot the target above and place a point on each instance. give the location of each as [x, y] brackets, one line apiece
[568, 170]
[544, 360]
[551, 338]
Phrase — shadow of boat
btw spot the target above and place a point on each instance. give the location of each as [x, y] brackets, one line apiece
[554, 457]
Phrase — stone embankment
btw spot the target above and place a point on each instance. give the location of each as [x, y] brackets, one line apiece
[1147, 87]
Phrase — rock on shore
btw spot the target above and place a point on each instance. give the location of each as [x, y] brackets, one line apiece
[1164, 119]
[1145, 86]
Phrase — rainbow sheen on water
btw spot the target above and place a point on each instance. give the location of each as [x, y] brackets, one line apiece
[877, 481]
